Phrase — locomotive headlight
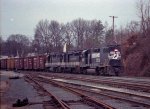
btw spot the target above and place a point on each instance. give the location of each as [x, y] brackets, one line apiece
[114, 54]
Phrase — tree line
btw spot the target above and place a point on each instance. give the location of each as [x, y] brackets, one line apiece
[50, 36]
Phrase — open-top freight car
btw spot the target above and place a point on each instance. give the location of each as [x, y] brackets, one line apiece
[24, 63]
[39, 62]
[28, 63]
[16, 63]
[3, 63]
[10, 63]
[19, 63]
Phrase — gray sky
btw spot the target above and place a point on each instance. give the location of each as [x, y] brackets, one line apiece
[21, 16]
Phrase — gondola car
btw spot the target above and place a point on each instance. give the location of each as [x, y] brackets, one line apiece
[21, 63]
[3, 63]
[35, 62]
[39, 62]
[16, 63]
[10, 63]
[30, 62]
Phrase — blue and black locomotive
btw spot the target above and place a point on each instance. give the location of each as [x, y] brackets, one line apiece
[105, 60]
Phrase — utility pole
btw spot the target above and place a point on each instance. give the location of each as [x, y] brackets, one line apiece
[113, 17]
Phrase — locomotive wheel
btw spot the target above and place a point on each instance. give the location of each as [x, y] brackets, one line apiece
[109, 71]
[102, 71]
[73, 70]
[97, 70]
[85, 71]
[117, 71]
[79, 70]
[62, 70]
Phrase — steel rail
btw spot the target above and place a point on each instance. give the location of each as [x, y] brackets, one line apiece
[136, 95]
[112, 96]
[92, 99]
[62, 103]
[127, 84]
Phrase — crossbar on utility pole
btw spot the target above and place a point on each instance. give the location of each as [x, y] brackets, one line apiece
[113, 17]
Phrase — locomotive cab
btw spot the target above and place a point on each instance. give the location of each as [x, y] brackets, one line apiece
[114, 57]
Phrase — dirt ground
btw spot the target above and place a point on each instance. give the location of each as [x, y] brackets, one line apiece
[4, 85]
[13, 89]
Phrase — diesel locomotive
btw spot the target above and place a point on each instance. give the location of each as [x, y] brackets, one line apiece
[102, 61]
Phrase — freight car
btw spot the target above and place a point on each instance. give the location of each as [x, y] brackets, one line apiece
[104, 61]
[28, 63]
[39, 62]
[19, 63]
[16, 63]
[3, 63]
[11, 63]
[25, 63]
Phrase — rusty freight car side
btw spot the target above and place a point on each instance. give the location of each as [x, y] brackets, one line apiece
[10, 63]
[41, 62]
[3, 63]
[25, 62]
[30, 63]
[35, 63]
[16, 63]
[21, 63]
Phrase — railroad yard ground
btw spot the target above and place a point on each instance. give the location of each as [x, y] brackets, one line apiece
[13, 89]
[120, 93]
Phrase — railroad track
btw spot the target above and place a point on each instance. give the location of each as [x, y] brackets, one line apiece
[134, 98]
[61, 102]
[135, 85]
[99, 79]
[55, 99]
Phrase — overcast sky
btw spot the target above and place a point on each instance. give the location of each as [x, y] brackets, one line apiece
[21, 16]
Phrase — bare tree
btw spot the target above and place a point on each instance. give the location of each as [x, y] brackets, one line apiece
[109, 36]
[67, 34]
[55, 29]
[143, 7]
[42, 37]
[17, 45]
[94, 34]
[88, 34]
[123, 33]
[79, 34]
[1, 45]
[79, 31]
[133, 27]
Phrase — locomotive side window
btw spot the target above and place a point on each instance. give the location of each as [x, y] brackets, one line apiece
[74, 57]
[95, 55]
